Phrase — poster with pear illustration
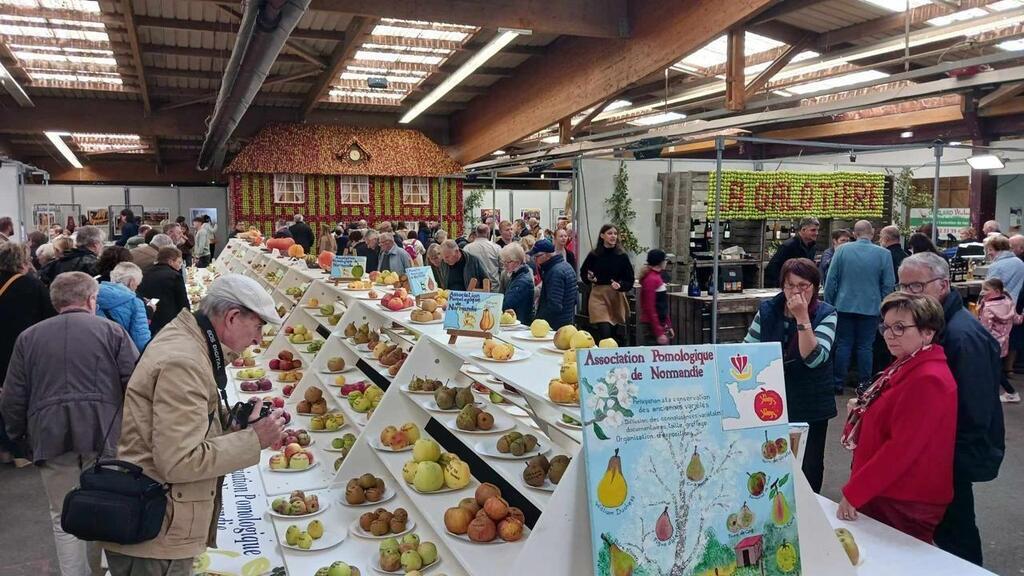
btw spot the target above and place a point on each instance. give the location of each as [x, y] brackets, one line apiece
[687, 454]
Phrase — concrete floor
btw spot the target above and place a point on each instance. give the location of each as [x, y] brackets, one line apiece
[26, 539]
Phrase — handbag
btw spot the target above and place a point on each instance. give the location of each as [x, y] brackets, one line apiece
[114, 502]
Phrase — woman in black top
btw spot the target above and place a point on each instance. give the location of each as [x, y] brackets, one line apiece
[609, 272]
[24, 301]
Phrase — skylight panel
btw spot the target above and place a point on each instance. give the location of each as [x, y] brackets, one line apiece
[837, 81]
[897, 5]
[398, 57]
[656, 119]
[71, 5]
[756, 68]
[960, 16]
[714, 52]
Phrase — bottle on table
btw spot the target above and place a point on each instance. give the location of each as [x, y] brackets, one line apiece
[694, 287]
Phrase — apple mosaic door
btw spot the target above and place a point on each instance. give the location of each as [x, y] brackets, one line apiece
[718, 415]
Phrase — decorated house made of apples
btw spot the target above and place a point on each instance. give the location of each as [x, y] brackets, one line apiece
[332, 174]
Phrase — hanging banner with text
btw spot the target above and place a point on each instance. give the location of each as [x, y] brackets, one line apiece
[790, 195]
[950, 220]
[688, 462]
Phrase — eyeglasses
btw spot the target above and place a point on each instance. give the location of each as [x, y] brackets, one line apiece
[800, 287]
[897, 329]
[916, 287]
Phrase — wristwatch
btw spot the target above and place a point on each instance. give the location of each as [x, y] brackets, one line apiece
[803, 326]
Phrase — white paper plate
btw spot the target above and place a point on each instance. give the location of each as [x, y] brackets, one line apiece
[502, 423]
[324, 505]
[386, 309]
[510, 326]
[291, 471]
[366, 296]
[513, 410]
[445, 490]
[497, 539]
[407, 391]
[374, 563]
[547, 486]
[344, 370]
[330, 538]
[431, 406]
[530, 338]
[375, 443]
[489, 448]
[273, 388]
[518, 355]
[389, 493]
[550, 349]
[567, 426]
[438, 321]
[470, 369]
[357, 530]
[329, 448]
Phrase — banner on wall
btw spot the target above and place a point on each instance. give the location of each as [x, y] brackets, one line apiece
[950, 220]
[788, 195]
[156, 216]
[688, 463]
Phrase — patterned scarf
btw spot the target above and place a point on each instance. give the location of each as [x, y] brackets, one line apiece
[851, 430]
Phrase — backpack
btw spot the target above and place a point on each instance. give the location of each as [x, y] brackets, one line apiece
[411, 251]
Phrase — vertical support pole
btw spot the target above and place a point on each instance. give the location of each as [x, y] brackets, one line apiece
[935, 192]
[719, 149]
[735, 80]
[494, 195]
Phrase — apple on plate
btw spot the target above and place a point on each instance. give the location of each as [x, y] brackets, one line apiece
[238, 362]
[278, 462]
[248, 362]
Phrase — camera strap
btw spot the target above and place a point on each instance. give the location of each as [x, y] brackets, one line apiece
[220, 375]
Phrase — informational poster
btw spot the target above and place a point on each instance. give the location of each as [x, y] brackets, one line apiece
[688, 461]
[528, 213]
[44, 219]
[341, 266]
[950, 221]
[97, 216]
[156, 216]
[200, 212]
[421, 280]
[486, 213]
[473, 311]
[246, 542]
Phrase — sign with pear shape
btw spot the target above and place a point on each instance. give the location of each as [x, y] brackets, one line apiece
[421, 280]
[687, 454]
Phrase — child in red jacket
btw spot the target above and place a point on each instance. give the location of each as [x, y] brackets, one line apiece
[654, 324]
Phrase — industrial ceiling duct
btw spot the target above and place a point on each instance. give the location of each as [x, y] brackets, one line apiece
[262, 33]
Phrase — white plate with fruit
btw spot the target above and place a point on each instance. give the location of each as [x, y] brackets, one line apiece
[338, 444]
[276, 506]
[496, 540]
[571, 425]
[378, 445]
[499, 423]
[551, 349]
[374, 562]
[438, 321]
[423, 392]
[518, 354]
[389, 493]
[547, 486]
[444, 489]
[306, 541]
[488, 448]
[291, 470]
[529, 337]
[431, 406]
[357, 530]
[345, 370]
[260, 386]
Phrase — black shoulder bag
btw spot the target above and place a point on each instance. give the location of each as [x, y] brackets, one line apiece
[116, 502]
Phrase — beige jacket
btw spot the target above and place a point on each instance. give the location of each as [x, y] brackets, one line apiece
[144, 256]
[172, 429]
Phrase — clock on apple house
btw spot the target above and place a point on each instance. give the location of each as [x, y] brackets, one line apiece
[355, 154]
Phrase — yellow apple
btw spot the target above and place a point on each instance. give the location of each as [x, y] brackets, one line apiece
[582, 339]
[569, 373]
[539, 328]
[608, 343]
[563, 338]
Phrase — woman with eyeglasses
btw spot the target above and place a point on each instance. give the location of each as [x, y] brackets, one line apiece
[902, 429]
[519, 293]
[806, 327]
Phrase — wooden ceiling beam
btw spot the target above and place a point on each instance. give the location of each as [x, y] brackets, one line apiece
[1002, 94]
[897, 21]
[759, 81]
[782, 9]
[593, 18]
[133, 41]
[358, 28]
[164, 50]
[582, 72]
[735, 91]
[228, 28]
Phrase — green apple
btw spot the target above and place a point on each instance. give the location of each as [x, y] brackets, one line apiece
[411, 561]
[337, 443]
[339, 569]
[428, 552]
[426, 450]
[291, 535]
[409, 542]
[429, 477]
[409, 471]
[388, 544]
[305, 541]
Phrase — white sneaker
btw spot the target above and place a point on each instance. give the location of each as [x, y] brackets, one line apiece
[1009, 398]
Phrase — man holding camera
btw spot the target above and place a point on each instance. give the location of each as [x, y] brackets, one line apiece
[176, 426]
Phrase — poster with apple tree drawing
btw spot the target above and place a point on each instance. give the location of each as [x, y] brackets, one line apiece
[687, 453]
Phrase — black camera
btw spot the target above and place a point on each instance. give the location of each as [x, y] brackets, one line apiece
[241, 413]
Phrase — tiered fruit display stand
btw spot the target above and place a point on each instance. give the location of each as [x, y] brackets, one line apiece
[556, 536]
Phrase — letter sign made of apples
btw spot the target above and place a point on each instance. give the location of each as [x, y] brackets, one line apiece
[768, 405]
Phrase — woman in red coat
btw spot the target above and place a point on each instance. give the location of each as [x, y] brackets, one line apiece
[902, 429]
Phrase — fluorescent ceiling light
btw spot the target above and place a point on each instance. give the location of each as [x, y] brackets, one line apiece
[58, 143]
[907, 134]
[504, 38]
[618, 105]
[657, 119]
[499, 152]
[13, 88]
[954, 143]
[985, 162]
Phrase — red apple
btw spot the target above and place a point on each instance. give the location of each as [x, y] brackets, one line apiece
[286, 365]
[288, 329]
[409, 302]
[278, 402]
[265, 385]
[238, 362]
[275, 364]
[287, 417]
[287, 390]
[296, 364]
[285, 355]
[292, 449]
[395, 304]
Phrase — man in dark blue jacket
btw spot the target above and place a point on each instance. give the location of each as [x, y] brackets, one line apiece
[558, 292]
[129, 227]
[973, 357]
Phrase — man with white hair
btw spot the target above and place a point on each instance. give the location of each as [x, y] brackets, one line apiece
[460, 268]
[369, 248]
[1017, 245]
[889, 238]
[117, 301]
[64, 390]
[973, 358]
[1004, 264]
[176, 425]
[88, 245]
[145, 256]
[859, 277]
[301, 233]
[487, 252]
[990, 227]
[392, 256]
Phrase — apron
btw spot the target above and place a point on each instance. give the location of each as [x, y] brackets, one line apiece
[607, 305]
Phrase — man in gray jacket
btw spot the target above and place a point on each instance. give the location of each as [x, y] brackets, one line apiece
[64, 390]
